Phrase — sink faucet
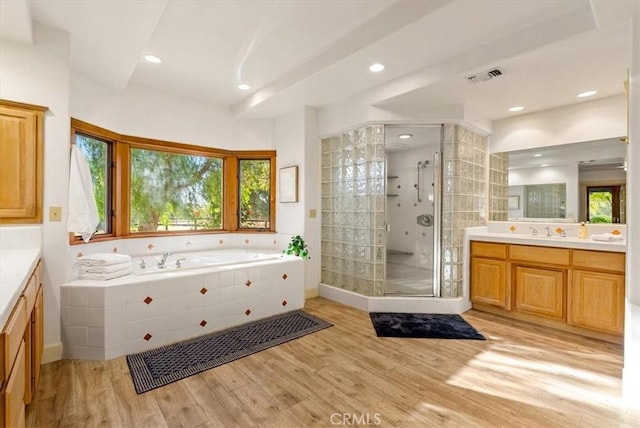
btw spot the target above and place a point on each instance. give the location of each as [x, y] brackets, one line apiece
[548, 231]
[534, 231]
[163, 260]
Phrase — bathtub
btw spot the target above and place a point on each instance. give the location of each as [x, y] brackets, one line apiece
[211, 291]
[148, 265]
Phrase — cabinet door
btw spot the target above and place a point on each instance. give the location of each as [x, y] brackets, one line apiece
[597, 301]
[12, 411]
[37, 336]
[20, 165]
[489, 282]
[540, 291]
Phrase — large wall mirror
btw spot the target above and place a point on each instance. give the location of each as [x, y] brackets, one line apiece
[572, 182]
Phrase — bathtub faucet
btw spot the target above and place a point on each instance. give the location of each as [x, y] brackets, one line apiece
[163, 260]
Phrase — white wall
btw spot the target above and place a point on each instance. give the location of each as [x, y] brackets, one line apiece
[585, 121]
[39, 74]
[631, 373]
[295, 135]
[552, 174]
[144, 112]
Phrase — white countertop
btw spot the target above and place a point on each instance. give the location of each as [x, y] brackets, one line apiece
[544, 241]
[15, 269]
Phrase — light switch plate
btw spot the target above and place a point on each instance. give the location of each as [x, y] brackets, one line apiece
[312, 213]
[55, 213]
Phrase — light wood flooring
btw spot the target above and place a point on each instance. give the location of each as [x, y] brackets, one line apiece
[522, 376]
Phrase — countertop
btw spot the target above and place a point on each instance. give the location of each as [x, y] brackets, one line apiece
[16, 267]
[544, 241]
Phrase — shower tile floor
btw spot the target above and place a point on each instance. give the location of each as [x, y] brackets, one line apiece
[408, 280]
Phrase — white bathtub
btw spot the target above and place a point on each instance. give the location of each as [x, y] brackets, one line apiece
[147, 265]
[213, 290]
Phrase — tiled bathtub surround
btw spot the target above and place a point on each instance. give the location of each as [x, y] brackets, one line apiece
[353, 189]
[464, 197]
[106, 319]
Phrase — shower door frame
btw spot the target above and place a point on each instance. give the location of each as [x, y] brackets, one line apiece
[437, 203]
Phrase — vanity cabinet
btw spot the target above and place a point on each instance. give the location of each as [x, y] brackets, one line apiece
[488, 274]
[21, 146]
[581, 291]
[21, 345]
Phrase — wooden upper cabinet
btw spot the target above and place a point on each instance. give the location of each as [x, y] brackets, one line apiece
[21, 162]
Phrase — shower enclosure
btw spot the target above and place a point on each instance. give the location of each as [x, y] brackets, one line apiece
[412, 197]
[394, 209]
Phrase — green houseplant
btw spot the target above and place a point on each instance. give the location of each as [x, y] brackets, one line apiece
[297, 247]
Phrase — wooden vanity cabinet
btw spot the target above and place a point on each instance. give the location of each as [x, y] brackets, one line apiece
[489, 273]
[21, 345]
[596, 291]
[21, 148]
[581, 291]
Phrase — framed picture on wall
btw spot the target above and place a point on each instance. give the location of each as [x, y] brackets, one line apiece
[514, 202]
[289, 184]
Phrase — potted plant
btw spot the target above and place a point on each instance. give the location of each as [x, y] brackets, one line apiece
[297, 247]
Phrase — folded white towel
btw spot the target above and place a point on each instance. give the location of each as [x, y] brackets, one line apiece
[607, 237]
[94, 269]
[105, 276]
[102, 259]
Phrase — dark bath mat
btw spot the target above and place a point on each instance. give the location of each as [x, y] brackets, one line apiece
[426, 326]
[161, 366]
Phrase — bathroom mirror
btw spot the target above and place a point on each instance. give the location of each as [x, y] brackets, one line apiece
[593, 174]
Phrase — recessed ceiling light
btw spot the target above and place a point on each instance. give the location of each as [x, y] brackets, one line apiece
[152, 59]
[586, 94]
[376, 68]
[544, 165]
[537, 155]
[405, 136]
[516, 108]
[243, 87]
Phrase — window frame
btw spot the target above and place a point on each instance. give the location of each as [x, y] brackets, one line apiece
[120, 181]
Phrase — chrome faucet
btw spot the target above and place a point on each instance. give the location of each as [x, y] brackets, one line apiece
[163, 260]
[534, 231]
[548, 231]
[179, 262]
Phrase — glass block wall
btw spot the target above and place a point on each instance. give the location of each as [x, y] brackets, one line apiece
[498, 186]
[545, 200]
[464, 164]
[353, 203]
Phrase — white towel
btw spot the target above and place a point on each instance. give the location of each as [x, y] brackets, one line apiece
[607, 237]
[105, 276]
[95, 269]
[102, 259]
[83, 213]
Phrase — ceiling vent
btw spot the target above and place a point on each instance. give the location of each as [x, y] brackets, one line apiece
[485, 75]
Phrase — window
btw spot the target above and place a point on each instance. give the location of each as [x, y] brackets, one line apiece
[255, 193]
[149, 187]
[174, 192]
[603, 204]
[98, 155]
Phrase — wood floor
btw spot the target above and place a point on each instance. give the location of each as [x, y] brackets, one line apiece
[522, 376]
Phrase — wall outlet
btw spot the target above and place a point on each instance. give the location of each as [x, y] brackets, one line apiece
[55, 213]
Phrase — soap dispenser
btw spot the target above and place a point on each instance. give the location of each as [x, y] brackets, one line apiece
[583, 232]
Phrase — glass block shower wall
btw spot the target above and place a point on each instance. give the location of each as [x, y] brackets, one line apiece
[545, 200]
[464, 164]
[353, 189]
[498, 186]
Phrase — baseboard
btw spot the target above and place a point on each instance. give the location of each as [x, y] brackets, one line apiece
[52, 353]
[310, 293]
[429, 305]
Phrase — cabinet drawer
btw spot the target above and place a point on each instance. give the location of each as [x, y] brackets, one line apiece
[12, 411]
[12, 335]
[599, 260]
[547, 255]
[486, 249]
